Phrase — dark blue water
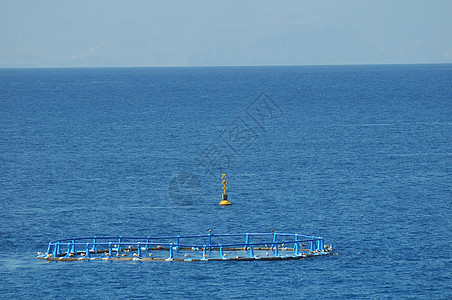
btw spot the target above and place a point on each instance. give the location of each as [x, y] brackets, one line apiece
[361, 155]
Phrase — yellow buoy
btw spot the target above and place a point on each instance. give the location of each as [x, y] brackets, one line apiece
[224, 199]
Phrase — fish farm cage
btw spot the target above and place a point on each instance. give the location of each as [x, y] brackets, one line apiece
[207, 247]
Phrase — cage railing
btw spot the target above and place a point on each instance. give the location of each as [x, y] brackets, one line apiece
[90, 245]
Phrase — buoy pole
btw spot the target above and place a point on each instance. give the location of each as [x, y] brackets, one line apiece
[224, 199]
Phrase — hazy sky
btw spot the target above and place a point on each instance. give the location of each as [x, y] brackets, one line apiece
[213, 33]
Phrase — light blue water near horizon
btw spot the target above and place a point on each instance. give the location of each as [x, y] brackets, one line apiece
[360, 155]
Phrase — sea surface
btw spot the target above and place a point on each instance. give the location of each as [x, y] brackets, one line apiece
[361, 155]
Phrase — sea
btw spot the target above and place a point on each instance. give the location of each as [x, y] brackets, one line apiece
[360, 155]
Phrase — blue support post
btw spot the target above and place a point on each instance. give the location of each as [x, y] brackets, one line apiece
[94, 249]
[204, 252]
[247, 240]
[56, 249]
[274, 240]
[276, 250]
[110, 249]
[171, 254]
[321, 244]
[139, 250]
[251, 251]
[296, 240]
[49, 248]
[312, 245]
[73, 246]
[68, 250]
[221, 251]
[296, 249]
[147, 243]
[119, 244]
[87, 251]
[177, 242]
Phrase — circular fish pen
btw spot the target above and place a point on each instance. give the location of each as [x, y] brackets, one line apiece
[207, 247]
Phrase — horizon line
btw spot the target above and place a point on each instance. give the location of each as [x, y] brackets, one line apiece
[225, 66]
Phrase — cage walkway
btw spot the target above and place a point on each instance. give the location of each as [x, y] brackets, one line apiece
[207, 247]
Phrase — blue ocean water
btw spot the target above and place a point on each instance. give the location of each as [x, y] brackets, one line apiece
[360, 155]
